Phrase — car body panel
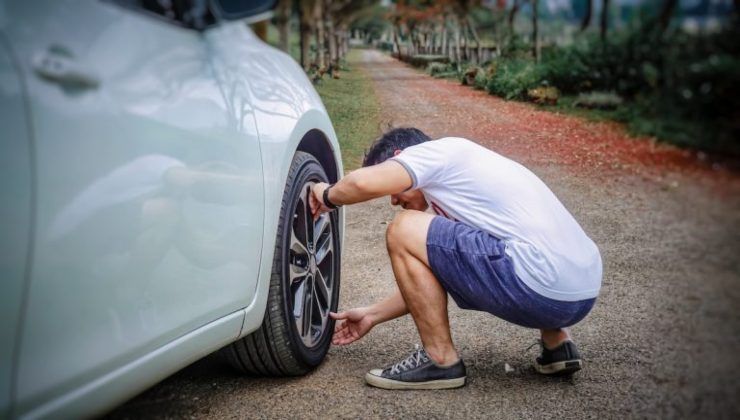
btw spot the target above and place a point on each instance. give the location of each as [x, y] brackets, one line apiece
[157, 205]
[149, 214]
[287, 108]
[105, 391]
[15, 214]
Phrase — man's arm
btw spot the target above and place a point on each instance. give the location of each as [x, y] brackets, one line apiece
[353, 324]
[389, 177]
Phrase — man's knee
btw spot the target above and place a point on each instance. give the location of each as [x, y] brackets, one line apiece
[407, 230]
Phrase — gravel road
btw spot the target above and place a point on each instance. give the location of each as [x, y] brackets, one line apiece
[662, 340]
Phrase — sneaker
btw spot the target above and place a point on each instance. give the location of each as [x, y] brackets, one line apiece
[562, 360]
[418, 371]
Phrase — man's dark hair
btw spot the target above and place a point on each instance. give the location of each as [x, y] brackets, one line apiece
[397, 139]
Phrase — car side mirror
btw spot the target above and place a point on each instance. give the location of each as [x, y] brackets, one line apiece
[253, 10]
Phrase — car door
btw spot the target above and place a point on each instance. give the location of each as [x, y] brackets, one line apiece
[149, 204]
[15, 215]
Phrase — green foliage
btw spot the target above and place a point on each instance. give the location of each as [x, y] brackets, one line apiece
[544, 95]
[679, 87]
[450, 74]
[422, 60]
[481, 81]
[513, 78]
[371, 20]
[437, 68]
[598, 100]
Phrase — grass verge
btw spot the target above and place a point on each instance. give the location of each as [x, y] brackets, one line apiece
[354, 110]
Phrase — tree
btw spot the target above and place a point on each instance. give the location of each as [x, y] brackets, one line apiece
[604, 21]
[306, 13]
[587, 15]
[283, 13]
[666, 13]
[512, 14]
[535, 35]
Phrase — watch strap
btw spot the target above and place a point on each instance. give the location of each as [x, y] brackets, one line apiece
[326, 200]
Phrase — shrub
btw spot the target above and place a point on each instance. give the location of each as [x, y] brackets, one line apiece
[481, 81]
[447, 74]
[468, 77]
[598, 100]
[544, 95]
[437, 68]
[422, 60]
[513, 78]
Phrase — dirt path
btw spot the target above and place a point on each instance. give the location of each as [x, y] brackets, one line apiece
[661, 341]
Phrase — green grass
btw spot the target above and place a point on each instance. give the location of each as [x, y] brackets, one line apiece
[353, 108]
[566, 105]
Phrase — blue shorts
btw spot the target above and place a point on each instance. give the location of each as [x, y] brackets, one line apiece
[472, 267]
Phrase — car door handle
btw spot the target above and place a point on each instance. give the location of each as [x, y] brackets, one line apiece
[62, 69]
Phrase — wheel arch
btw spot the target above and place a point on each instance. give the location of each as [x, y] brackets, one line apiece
[316, 143]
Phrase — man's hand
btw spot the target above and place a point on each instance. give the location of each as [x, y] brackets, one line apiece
[316, 200]
[351, 325]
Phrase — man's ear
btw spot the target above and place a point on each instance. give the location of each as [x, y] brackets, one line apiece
[396, 152]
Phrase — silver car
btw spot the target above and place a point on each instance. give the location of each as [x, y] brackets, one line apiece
[156, 159]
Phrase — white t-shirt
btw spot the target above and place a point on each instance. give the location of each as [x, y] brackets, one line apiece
[471, 184]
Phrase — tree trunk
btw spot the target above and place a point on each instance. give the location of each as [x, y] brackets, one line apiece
[306, 30]
[512, 15]
[345, 41]
[283, 14]
[320, 36]
[587, 16]
[473, 32]
[444, 39]
[535, 34]
[430, 41]
[604, 21]
[338, 42]
[666, 14]
[466, 41]
[458, 58]
[332, 37]
[396, 42]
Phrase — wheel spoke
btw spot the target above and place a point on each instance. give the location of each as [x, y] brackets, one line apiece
[321, 226]
[308, 314]
[296, 244]
[323, 249]
[309, 219]
[322, 292]
[319, 312]
[298, 307]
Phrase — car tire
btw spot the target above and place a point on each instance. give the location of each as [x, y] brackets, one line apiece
[304, 286]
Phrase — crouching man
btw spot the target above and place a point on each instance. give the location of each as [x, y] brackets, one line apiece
[500, 242]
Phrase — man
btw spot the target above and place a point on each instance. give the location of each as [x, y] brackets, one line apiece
[500, 242]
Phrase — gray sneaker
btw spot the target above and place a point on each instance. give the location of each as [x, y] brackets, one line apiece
[562, 360]
[418, 371]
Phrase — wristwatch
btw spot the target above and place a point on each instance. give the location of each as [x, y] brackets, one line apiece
[325, 199]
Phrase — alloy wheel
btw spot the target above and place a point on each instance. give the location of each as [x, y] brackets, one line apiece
[311, 270]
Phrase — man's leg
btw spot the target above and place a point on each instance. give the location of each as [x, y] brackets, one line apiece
[553, 338]
[425, 298]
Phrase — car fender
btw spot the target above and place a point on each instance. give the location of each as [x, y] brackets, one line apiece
[289, 116]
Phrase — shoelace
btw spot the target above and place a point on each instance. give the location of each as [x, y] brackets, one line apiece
[539, 342]
[416, 358]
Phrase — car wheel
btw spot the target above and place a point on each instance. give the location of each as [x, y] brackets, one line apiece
[296, 331]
